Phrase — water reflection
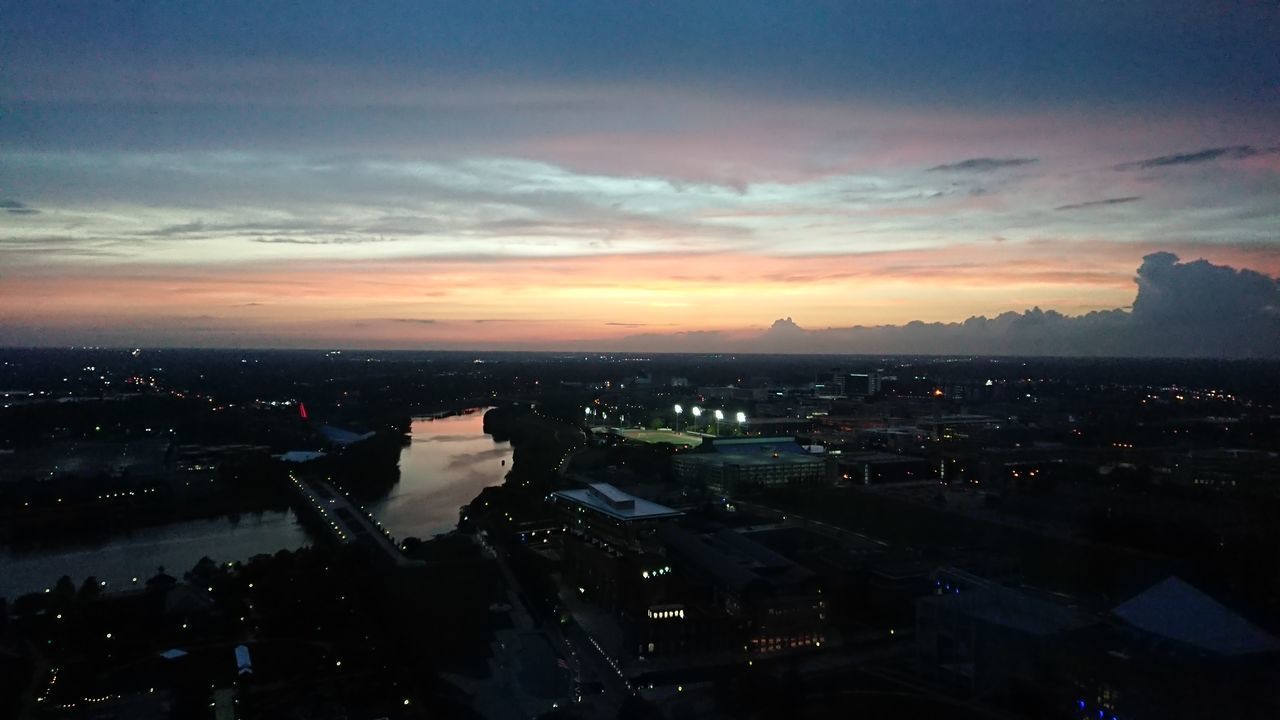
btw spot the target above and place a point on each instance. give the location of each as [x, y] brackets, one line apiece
[447, 463]
[177, 547]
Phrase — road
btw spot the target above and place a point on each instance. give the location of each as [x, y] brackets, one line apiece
[345, 521]
[593, 666]
[528, 677]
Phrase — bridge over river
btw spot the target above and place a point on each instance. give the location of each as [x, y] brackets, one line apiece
[344, 521]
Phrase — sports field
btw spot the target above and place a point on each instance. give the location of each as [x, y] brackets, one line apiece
[659, 436]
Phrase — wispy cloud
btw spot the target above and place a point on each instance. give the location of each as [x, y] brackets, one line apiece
[45, 247]
[293, 226]
[1100, 203]
[983, 164]
[343, 176]
[195, 226]
[1233, 152]
[13, 207]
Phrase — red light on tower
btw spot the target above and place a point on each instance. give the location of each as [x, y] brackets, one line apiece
[302, 411]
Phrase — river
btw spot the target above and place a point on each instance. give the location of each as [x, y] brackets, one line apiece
[446, 464]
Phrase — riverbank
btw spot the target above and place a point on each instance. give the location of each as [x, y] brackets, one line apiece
[415, 490]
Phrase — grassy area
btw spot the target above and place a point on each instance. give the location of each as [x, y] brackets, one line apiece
[662, 436]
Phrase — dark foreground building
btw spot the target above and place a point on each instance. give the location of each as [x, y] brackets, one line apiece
[1170, 652]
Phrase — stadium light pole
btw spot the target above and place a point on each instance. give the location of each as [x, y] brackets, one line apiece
[679, 410]
[742, 421]
[697, 413]
[719, 417]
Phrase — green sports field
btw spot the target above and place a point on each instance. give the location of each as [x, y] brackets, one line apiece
[659, 436]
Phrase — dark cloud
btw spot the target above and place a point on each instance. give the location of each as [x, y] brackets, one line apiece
[1233, 152]
[1100, 203]
[413, 321]
[1191, 309]
[983, 164]
[623, 324]
[13, 207]
[1202, 294]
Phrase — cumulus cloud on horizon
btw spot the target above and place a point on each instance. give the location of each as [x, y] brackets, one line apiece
[1182, 309]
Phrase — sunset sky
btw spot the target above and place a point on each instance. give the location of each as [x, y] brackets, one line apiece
[565, 174]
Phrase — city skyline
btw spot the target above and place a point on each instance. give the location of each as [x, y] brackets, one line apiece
[622, 176]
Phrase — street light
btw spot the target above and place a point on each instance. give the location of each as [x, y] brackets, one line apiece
[679, 410]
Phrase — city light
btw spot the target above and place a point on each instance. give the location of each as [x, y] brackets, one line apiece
[986, 281]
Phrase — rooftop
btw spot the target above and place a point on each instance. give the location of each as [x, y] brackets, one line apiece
[300, 456]
[733, 559]
[611, 501]
[762, 445]
[612, 495]
[1175, 610]
[753, 458]
[1010, 608]
[341, 436]
[879, 458]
